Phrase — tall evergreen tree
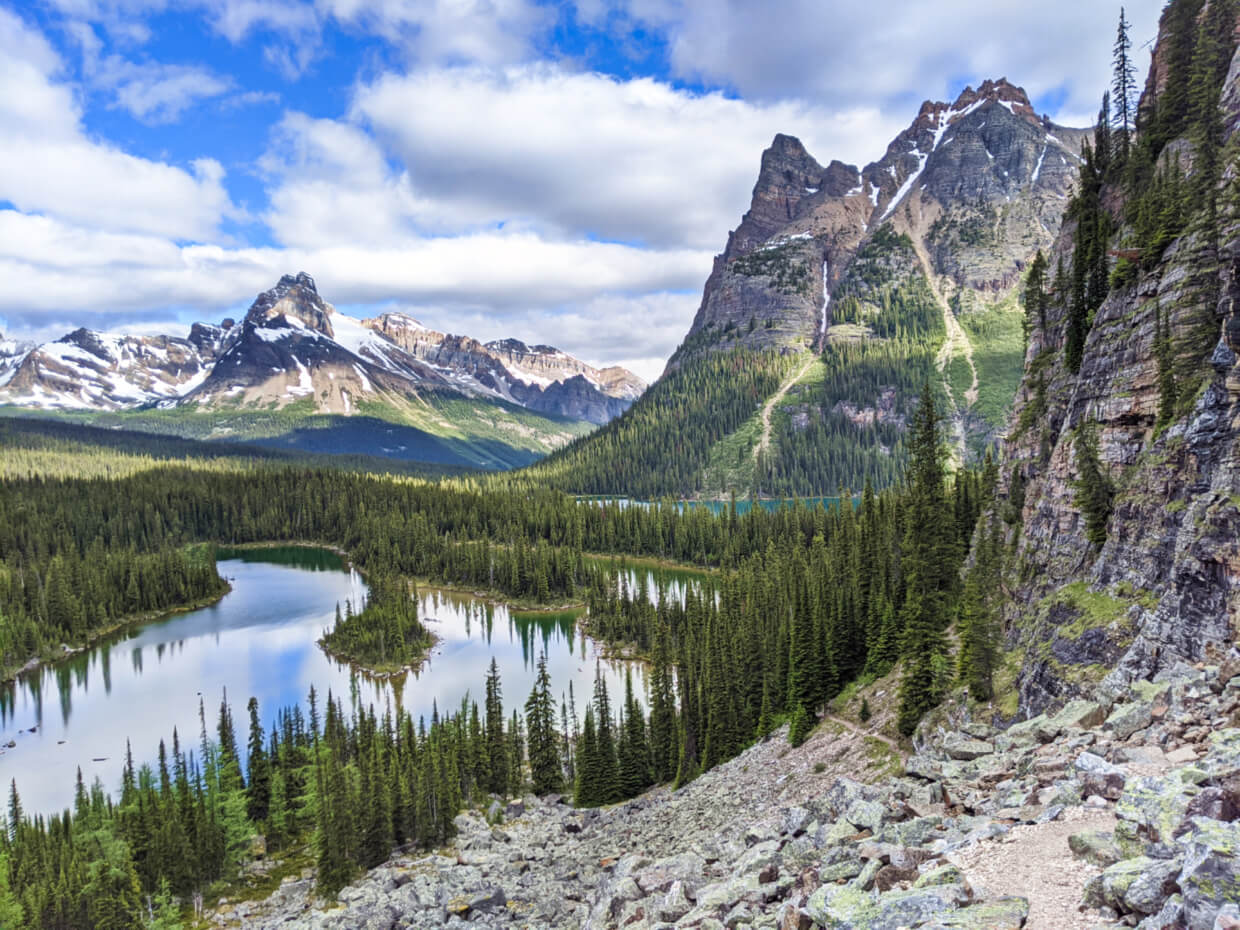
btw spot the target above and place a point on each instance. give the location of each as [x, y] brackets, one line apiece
[546, 770]
[1094, 491]
[1123, 88]
[497, 748]
[927, 550]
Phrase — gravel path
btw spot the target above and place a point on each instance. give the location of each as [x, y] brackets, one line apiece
[1034, 862]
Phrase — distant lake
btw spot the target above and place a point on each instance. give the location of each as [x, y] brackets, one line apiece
[260, 640]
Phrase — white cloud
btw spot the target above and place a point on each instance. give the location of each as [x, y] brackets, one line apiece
[599, 300]
[884, 50]
[436, 32]
[584, 154]
[48, 163]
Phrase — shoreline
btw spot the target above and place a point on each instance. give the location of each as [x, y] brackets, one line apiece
[67, 652]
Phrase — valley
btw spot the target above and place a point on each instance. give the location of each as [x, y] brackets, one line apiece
[906, 598]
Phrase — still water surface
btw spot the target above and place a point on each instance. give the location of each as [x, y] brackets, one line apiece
[260, 640]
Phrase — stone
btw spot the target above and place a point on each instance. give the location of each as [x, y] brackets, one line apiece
[488, 899]
[674, 905]
[839, 871]
[1183, 755]
[1155, 805]
[796, 820]
[1152, 887]
[1080, 715]
[1096, 846]
[865, 815]
[943, 875]
[687, 868]
[890, 876]
[1127, 719]
[849, 908]
[1170, 915]
[1100, 777]
[965, 749]
[1006, 913]
[1210, 877]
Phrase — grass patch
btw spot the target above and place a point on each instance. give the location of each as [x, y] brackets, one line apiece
[1097, 609]
[998, 353]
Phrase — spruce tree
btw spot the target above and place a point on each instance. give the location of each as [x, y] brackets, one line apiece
[497, 749]
[1094, 491]
[926, 551]
[258, 792]
[543, 740]
[1124, 89]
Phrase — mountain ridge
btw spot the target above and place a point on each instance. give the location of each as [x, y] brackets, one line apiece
[291, 344]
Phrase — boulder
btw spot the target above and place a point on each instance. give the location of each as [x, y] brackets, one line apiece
[1155, 805]
[686, 868]
[849, 908]
[1108, 888]
[1096, 846]
[1210, 877]
[674, 905]
[1007, 913]
[865, 815]
[1079, 715]
[1152, 887]
[1100, 777]
[1127, 719]
[966, 749]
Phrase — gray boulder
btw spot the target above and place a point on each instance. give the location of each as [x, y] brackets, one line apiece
[1210, 877]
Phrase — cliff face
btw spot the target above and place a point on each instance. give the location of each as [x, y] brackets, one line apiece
[1164, 588]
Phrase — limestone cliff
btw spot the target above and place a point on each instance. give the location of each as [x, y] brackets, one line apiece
[1164, 588]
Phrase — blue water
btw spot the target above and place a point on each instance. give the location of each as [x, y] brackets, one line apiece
[260, 640]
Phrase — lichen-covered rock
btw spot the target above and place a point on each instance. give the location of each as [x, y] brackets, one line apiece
[1127, 719]
[1210, 877]
[850, 908]
[1099, 776]
[1108, 888]
[1152, 887]
[966, 749]
[1156, 805]
[1007, 913]
[1096, 846]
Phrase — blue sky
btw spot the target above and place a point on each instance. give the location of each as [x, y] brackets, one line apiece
[558, 172]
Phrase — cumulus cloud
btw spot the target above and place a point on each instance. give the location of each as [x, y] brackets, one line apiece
[886, 50]
[153, 92]
[582, 153]
[49, 164]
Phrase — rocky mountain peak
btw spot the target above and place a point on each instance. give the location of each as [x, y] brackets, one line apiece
[297, 300]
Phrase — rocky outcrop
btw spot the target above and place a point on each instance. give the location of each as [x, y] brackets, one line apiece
[1164, 589]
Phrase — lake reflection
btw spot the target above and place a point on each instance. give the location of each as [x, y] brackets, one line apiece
[260, 640]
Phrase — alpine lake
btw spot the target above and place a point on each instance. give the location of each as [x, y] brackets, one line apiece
[260, 640]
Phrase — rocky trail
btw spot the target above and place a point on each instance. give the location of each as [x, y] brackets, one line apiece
[1122, 811]
[868, 734]
[764, 440]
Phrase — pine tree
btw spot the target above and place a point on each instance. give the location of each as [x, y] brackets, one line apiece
[926, 552]
[586, 792]
[497, 749]
[634, 761]
[1035, 296]
[608, 769]
[544, 750]
[258, 793]
[1124, 88]
[1094, 491]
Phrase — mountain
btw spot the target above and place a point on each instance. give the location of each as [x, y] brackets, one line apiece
[849, 288]
[294, 362]
[1119, 484]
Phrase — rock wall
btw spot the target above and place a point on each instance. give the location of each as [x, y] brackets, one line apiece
[1164, 589]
